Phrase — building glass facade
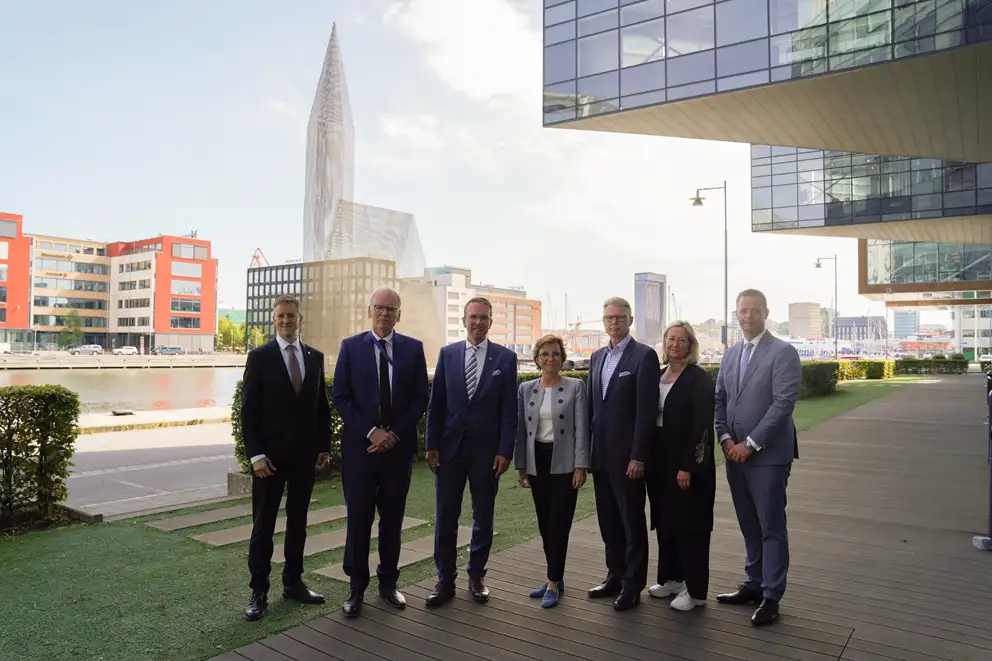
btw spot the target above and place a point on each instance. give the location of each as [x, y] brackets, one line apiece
[264, 284]
[802, 188]
[901, 262]
[606, 55]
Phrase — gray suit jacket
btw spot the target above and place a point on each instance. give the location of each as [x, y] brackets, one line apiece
[761, 406]
[571, 418]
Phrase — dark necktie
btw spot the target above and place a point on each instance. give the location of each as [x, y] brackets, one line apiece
[385, 396]
[294, 369]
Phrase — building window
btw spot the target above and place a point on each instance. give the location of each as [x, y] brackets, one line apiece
[452, 296]
[453, 333]
[3, 294]
[185, 305]
[144, 321]
[184, 322]
[185, 288]
[187, 270]
[3, 314]
[4, 250]
[8, 228]
[3, 273]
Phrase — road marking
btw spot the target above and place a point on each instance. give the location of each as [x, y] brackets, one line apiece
[154, 495]
[142, 467]
[141, 486]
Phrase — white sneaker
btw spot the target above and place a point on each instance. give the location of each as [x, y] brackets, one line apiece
[684, 602]
[666, 590]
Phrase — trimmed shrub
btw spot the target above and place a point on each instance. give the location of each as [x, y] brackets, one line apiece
[957, 356]
[914, 366]
[854, 370]
[38, 430]
[818, 379]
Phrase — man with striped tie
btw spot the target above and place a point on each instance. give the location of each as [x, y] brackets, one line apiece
[471, 429]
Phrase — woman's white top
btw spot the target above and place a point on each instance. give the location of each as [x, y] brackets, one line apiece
[545, 425]
[662, 394]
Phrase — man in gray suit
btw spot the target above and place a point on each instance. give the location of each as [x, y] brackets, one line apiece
[756, 392]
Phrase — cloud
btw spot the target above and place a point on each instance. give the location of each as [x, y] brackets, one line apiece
[282, 109]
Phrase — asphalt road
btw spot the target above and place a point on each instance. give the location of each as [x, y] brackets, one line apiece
[125, 472]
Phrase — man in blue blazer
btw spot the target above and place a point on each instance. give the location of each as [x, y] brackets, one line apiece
[471, 429]
[381, 392]
[756, 392]
[623, 386]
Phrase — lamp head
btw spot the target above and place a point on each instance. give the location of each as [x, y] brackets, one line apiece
[818, 264]
[697, 201]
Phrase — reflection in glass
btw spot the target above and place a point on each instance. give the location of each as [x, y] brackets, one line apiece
[587, 7]
[642, 11]
[790, 15]
[559, 14]
[861, 33]
[742, 81]
[558, 33]
[598, 53]
[690, 32]
[644, 78]
[559, 97]
[741, 58]
[741, 20]
[690, 68]
[559, 62]
[644, 42]
[598, 23]
[595, 88]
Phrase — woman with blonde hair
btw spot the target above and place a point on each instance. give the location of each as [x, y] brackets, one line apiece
[681, 479]
[552, 455]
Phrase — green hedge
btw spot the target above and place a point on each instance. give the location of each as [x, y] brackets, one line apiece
[818, 379]
[929, 366]
[854, 370]
[38, 429]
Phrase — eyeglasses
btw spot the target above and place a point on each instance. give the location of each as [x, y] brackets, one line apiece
[617, 318]
[379, 309]
[549, 354]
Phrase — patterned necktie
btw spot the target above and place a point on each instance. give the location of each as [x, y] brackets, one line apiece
[294, 368]
[385, 395]
[471, 372]
[744, 363]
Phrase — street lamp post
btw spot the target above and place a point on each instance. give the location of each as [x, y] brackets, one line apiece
[836, 301]
[697, 201]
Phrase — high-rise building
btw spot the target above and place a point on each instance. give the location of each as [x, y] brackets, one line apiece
[334, 225]
[650, 298]
[828, 316]
[804, 320]
[330, 166]
[866, 119]
[856, 329]
[906, 323]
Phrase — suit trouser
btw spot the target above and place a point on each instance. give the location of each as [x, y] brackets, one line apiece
[377, 482]
[554, 502]
[620, 509]
[759, 494]
[296, 477]
[449, 483]
[685, 556]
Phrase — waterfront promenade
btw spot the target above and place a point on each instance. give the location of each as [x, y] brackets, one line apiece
[883, 503]
[60, 360]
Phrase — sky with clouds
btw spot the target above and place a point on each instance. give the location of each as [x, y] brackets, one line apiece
[122, 120]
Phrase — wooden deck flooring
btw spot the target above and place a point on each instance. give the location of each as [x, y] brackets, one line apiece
[882, 506]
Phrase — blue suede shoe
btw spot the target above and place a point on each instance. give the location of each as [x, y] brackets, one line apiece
[549, 600]
[539, 592]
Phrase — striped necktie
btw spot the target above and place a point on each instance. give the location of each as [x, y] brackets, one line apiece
[471, 372]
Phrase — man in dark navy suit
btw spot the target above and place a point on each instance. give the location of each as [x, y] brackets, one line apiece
[381, 391]
[471, 429]
[286, 422]
[623, 383]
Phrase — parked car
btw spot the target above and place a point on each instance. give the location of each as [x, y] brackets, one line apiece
[4, 347]
[87, 350]
[168, 351]
[126, 351]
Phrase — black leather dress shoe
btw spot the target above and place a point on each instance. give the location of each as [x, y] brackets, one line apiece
[627, 600]
[766, 613]
[257, 606]
[393, 597]
[300, 592]
[352, 606]
[441, 594]
[743, 595]
[478, 590]
[605, 589]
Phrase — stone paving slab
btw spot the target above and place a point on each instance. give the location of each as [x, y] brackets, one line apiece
[334, 539]
[243, 533]
[201, 518]
[410, 553]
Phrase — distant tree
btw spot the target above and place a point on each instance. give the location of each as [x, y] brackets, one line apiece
[73, 332]
[253, 338]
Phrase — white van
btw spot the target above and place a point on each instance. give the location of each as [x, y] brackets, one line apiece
[5, 347]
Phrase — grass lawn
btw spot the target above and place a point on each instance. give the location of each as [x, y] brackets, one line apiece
[125, 592]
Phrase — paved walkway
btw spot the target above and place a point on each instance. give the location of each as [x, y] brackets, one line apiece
[882, 507]
[93, 422]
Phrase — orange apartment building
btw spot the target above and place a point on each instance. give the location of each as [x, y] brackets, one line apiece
[150, 293]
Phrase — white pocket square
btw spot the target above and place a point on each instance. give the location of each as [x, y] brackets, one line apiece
[496, 373]
[623, 374]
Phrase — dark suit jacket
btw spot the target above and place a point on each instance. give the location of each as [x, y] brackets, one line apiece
[275, 420]
[489, 420]
[623, 424]
[356, 393]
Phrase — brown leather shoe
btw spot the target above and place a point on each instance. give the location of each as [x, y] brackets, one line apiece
[478, 590]
[441, 594]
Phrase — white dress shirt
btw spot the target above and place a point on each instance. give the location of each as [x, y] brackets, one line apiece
[480, 357]
[285, 360]
[740, 364]
[378, 359]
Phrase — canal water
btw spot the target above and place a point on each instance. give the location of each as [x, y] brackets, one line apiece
[104, 390]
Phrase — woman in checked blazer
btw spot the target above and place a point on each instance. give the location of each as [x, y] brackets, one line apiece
[552, 455]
